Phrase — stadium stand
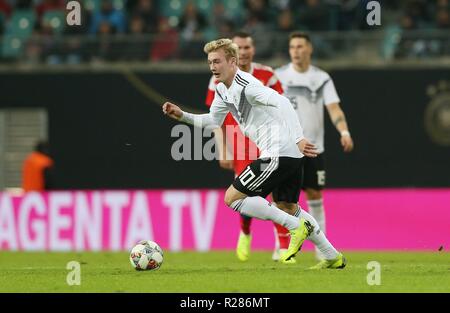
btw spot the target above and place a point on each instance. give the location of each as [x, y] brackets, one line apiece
[410, 28]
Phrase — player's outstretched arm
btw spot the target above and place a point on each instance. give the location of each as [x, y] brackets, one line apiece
[213, 119]
[172, 110]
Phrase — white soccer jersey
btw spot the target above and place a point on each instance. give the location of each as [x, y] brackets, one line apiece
[263, 115]
[309, 92]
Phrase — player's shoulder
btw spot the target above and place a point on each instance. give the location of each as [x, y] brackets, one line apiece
[262, 68]
[220, 89]
[282, 69]
[319, 72]
[245, 79]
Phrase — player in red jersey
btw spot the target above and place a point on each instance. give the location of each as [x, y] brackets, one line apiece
[237, 151]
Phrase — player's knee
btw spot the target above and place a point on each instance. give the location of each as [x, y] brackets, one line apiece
[228, 200]
[313, 194]
[232, 195]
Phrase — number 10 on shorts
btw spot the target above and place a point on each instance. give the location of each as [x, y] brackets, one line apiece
[246, 176]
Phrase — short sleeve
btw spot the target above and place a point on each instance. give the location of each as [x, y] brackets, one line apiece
[329, 93]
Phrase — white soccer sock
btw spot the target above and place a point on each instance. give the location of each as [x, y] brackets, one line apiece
[317, 211]
[318, 238]
[261, 208]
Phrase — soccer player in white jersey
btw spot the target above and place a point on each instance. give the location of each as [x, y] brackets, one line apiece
[243, 150]
[310, 89]
[269, 120]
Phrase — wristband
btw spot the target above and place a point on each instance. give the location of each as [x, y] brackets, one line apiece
[345, 133]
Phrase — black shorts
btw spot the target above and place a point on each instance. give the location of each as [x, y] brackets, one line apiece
[280, 175]
[314, 172]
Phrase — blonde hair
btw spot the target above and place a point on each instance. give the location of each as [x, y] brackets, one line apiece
[229, 47]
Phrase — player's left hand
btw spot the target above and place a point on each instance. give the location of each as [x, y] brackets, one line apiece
[347, 143]
[307, 148]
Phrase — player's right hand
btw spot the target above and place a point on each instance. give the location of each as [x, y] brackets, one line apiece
[172, 110]
[307, 148]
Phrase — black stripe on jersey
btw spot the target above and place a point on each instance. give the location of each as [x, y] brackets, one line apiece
[217, 91]
[323, 84]
[239, 83]
[233, 110]
[241, 79]
[244, 107]
[308, 88]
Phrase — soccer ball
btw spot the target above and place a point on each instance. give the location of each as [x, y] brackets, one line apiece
[146, 255]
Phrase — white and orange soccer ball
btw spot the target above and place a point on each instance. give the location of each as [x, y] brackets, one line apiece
[146, 255]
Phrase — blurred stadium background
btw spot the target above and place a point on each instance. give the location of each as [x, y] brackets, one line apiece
[94, 92]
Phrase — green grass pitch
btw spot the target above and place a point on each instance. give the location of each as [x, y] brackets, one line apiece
[220, 271]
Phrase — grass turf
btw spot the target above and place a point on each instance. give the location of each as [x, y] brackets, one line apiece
[220, 271]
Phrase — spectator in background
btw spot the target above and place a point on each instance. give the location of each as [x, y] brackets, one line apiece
[49, 5]
[442, 18]
[50, 48]
[285, 24]
[75, 46]
[191, 27]
[23, 4]
[407, 46]
[136, 25]
[38, 169]
[226, 29]
[256, 25]
[443, 4]
[442, 44]
[137, 45]
[5, 13]
[148, 12]
[108, 14]
[192, 22]
[282, 5]
[344, 14]
[165, 43]
[103, 47]
[257, 10]
[5, 9]
[222, 23]
[314, 16]
[418, 11]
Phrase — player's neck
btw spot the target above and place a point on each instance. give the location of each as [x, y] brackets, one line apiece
[246, 68]
[230, 80]
[302, 67]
